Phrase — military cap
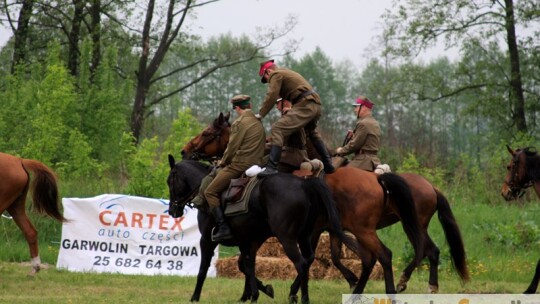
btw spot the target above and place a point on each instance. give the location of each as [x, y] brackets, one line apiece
[363, 101]
[264, 66]
[240, 100]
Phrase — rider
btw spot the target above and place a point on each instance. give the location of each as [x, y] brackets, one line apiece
[364, 142]
[304, 113]
[245, 149]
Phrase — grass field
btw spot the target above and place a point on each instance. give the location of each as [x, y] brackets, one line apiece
[501, 240]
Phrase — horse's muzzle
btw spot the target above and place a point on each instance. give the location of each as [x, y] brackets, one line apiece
[176, 209]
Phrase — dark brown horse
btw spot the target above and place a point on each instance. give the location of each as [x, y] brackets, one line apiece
[523, 172]
[211, 142]
[15, 182]
[361, 198]
[281, 205]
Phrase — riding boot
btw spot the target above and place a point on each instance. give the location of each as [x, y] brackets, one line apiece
[273, 161]
[222, 231]
[323, 152]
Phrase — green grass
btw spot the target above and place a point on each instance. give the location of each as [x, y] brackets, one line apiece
[502, 242]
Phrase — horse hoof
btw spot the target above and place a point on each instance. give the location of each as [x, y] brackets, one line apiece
[293, 299]
[243, 299]
[32, 273]
[269, 291]
[401, 287]
[433, 289]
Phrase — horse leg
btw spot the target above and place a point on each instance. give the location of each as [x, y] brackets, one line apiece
[335, 250]
[296, 284]
[207, 251]
[293, 253]
[534, 283]
[432, 252]
[18, 213]
[249, 254]
[266, 289]
[371, 242]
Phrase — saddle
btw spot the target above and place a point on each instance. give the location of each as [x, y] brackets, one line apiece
[236, 197]
[313, 168]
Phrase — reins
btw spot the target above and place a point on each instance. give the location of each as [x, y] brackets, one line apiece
[518, 190]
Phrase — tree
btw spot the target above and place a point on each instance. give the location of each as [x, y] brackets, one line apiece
[418, 25]
[152, 57]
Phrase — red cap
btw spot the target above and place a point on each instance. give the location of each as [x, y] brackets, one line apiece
[264, 66]
[363, 101]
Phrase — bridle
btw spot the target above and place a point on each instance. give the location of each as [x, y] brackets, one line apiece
[517, 189]
[196, 153]
[185, 200]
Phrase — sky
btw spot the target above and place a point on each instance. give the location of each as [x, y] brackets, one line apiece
[343, 29]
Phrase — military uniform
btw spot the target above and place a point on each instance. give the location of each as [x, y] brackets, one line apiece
[304, 114]
[245, 149]
[294, 152]
[364, 144]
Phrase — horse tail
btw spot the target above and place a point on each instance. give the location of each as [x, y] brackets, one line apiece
[453, 236]
[44, 189]
[402, 200]
[319, 192]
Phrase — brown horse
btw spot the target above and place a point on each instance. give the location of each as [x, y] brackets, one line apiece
[427, 201]
[523, 171]
[14, 186]
[211, 142]
[361, 206]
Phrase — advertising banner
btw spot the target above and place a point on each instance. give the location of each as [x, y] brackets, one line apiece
[129, 235]
[440, 299]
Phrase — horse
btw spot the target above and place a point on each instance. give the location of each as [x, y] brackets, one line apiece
[16, 183]
[289, 215]
[211, 142]
[523, 172]
[361, 207]
[427, 200]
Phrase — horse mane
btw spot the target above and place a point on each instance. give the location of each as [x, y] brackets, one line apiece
[532, 162]
[197, 164]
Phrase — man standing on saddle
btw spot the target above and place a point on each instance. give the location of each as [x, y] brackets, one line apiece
[245, 149]
[364, 140]
[304, 114]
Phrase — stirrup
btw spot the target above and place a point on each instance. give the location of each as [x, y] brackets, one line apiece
[220, 238]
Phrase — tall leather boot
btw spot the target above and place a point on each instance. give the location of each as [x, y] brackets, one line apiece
[222, 231]
[323, 152]
[273, 160]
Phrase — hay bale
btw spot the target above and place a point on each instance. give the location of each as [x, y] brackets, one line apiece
[355, 266]
[269, 268]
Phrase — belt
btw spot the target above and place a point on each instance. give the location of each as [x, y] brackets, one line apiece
[366, 152]
[302, 96]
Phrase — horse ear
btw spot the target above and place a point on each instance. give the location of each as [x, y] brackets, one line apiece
[510, 150]
[227, 116]
[171, 161]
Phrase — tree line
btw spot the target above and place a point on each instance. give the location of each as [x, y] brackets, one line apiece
[105, 89]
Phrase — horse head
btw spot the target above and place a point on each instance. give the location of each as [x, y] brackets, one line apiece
[517, 179]
[179, 192]
[211, 142]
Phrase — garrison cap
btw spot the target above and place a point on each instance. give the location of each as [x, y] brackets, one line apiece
[240, 100]
[363, 101]
[264, 66]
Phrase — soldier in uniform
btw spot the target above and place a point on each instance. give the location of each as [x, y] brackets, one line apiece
[245, 149]
[304, 114]
[364, 142]
[294, 150]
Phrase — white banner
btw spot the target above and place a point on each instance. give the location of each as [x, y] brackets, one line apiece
[441, 299]
[130, 235]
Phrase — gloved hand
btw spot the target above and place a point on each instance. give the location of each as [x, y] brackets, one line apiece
[339, 151]
[259, 117]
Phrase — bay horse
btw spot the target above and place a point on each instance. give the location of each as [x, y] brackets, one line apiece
[523, 172]
[14, 186]
[427, 200]
[361, 208]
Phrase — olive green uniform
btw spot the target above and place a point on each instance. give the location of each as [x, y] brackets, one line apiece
[294, 152]
[306, 109]
[245, 149]
[364, 144]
